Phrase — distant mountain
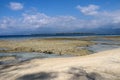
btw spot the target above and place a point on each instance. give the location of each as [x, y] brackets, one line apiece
[101, 31]
[98, 30]
[77, 32]
[50, 34]
[63, 34]
[107, 31]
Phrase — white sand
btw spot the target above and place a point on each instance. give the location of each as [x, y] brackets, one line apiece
[104, 64]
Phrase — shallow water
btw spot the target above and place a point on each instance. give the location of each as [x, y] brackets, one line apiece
[103, 45]
[3, 49]
[22, 56]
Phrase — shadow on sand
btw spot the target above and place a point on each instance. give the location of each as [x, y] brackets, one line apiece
[39, 76]
[81, 74]
[75, 74]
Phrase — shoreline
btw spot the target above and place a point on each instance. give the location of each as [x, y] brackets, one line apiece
[54, 47]
[103, 65]
[94, 65]
[39, 44]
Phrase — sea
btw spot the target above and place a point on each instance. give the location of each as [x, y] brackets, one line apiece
[19, 37]
[23, 56]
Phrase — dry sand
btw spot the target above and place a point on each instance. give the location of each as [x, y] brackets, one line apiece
[100, 66]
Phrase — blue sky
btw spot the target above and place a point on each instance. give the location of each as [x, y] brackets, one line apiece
[44, 16]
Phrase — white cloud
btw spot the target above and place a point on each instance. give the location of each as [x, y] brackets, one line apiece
[7, 21]
[88, 10]
[15, 6]
[38, 20]
[41, 22]
[100, 18]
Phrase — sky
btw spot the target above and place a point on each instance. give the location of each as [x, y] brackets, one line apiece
[54, 16]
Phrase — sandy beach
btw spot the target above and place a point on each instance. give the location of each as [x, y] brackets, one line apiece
[100, 66]
[59, 39]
